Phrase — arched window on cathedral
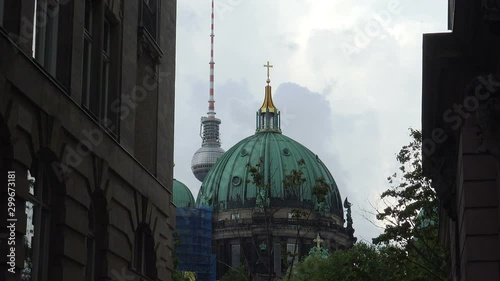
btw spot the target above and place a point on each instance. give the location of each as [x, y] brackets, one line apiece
[235, 255]
[144, 252]
[36, 239]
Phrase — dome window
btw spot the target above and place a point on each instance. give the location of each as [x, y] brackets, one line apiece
[236, 180]
[243, 152]
[286, 151]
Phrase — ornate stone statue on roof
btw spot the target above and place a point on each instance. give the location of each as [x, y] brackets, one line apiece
[347, 205]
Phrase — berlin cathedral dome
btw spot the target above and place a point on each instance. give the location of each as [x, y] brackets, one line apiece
[263, 220]
[229, 184]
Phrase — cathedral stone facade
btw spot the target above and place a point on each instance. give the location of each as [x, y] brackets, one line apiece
[86, 127]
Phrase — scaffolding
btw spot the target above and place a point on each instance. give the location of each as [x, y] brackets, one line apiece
[194, 247]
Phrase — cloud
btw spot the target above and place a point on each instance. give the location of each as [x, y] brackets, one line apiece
[351, 110]
[347, 144]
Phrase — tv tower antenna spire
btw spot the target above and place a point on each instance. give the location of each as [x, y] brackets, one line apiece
[211, 100]
[205, 157]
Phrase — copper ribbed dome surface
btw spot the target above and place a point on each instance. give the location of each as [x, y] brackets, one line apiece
[182, 195]
[229, 185]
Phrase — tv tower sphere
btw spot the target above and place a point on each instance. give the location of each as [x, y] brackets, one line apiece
[204, 158]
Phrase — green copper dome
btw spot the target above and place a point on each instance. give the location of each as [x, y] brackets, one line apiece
[182, 195]
[229, 185]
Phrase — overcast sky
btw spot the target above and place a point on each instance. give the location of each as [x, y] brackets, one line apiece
[346, 77]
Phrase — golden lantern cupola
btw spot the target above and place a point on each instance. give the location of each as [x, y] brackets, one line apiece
[268, 116]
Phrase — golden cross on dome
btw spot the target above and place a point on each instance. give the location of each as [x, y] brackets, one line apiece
[318, 241]
[268, 66]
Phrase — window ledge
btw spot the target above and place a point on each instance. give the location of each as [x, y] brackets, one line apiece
[149, 44]
[140, 275]
[17, 49]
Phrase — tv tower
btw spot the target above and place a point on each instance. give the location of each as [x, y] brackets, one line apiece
[204, 158]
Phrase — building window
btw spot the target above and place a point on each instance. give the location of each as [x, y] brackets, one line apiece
[145, 255]
[90, 268]
[110, 94]
[106, 61]
[235, 255]
[149, 16]
[96, 236]
[9, 17]
[235, 216]
[2, 4]
[291, 250]
[101, 50]
[37, 228]
[292, 192]
[87, 53]
[236, 180]
[45, 34]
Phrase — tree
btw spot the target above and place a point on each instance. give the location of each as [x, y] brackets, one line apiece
[236, 274]
[176, 273]
[408, 249]
[411, 215]
[362, 262]
[293, 183]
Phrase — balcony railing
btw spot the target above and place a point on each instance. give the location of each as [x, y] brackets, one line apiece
[322, 223]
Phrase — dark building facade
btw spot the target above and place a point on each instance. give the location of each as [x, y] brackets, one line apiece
[461, 135]
[86, 131]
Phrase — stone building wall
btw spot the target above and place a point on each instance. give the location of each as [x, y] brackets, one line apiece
[460, 117]
[105, 179]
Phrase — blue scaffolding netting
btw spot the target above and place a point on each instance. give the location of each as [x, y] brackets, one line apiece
[194, 249]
